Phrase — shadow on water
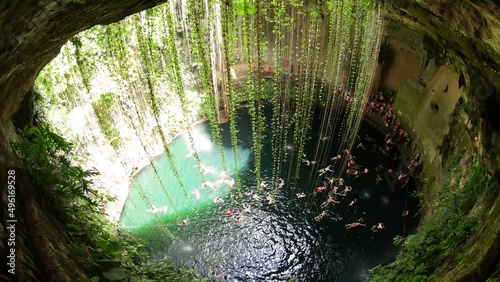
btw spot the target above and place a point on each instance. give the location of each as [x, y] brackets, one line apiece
[274, 242]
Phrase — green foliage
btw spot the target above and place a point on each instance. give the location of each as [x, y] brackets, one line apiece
[441, 236]
[85, 66]
[65, 189]
[369, 4]
[103, 109]
[59, 183]
[243, 7]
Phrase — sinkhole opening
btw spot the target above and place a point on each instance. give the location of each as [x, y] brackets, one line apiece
[325, 225]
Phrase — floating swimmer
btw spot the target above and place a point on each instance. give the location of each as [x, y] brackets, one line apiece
[352, 203]
[207, 169]
[218, 200]
[300, 195]
[325, 170]
[337, 157]
[354, 224]
[246, 208]
[320, 216]
[281, 184]
[269, 199]
[196, 194]
[332, 200]
[183, 222]
[153, 210]
[376, 228]
[320, 189]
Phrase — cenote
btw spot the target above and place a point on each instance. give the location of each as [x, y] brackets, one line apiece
[268, 242]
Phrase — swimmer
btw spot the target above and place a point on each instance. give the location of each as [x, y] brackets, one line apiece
[366, 170]
[206, 169]
[183, 222]
[360, 146]
[335, 189]
[218, 184]
[256, 197]
[337, 157]
[325, 170]
[405, 213]
[352, 203]
[320, 189]
[154, 210]
[269, 199]
[325, 138]
[281, 184]
[208, 185]
[230, 182]
[354, 224]
[196, 194]
[331, 200]
[307, 162]
[341, 181]
[337, 218]
[246, 208]
[320, 216]
[375, 228]
[218, 200]
[300, 195]
[238, 218]
[224, 175]
[263, 184]
[331, 181]
[352, 172]
[348, 189]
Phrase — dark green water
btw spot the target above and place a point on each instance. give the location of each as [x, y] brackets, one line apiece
[271, 242]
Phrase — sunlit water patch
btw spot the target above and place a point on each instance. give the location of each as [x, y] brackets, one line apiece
[148, 199]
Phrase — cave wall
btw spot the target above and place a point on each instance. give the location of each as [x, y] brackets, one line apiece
[454, 43]
[443, 61]
[32, 33]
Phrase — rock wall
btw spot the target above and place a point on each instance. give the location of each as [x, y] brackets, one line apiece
[443, 61]
[463, 38]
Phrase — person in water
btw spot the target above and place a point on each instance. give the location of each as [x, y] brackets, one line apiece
[337, 157]
[269, 199]
[354, 224]
[196, 194]
[325, 170]
[183, 222]
[300, 195]
[376, 228]
[320, 189]
[281, 184]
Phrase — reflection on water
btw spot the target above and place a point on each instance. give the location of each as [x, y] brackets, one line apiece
[250, 240]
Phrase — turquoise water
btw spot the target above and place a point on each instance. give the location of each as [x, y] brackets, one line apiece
[148, 192]
[262, 241]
